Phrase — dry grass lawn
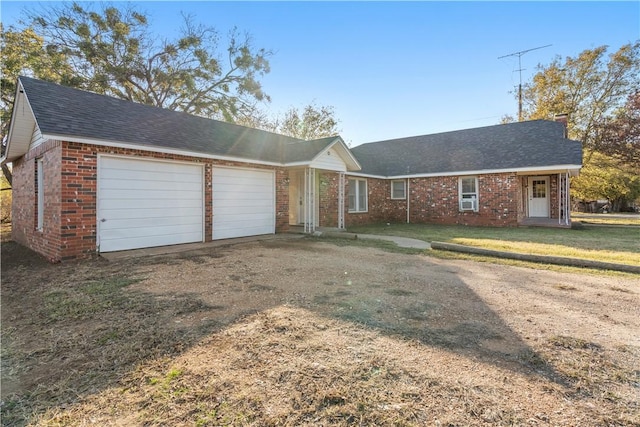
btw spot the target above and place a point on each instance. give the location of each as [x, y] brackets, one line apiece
[304, 332]
[616, 244]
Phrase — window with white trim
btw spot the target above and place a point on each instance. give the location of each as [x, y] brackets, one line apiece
[40, 194]
[468, 193]
[398, 189]
[357, 195]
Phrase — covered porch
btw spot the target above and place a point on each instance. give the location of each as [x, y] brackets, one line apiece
[545, 199]
[317, 189]
[316, 199]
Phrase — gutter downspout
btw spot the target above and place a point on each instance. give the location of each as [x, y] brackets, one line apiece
[408, 210]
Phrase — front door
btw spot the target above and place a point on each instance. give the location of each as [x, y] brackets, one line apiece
[300, 194]
[539, 196]
[296, 197]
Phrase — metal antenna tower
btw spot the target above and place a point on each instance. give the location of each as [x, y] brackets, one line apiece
[520, 69]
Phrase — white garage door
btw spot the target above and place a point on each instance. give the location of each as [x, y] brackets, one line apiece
[243, 202]
[145, 203]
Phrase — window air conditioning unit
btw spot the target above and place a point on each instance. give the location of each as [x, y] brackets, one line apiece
[468, 204]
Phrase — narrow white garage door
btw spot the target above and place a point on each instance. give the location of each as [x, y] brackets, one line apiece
[146, 203]
[243, 202]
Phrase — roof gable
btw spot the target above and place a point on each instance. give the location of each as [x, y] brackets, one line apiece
[521, 145]
[22, 126]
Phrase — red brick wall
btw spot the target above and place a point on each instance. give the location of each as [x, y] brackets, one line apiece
[24, 205]
[522, 198]
[70, 196]
[282, 200]
[381, 208]
[328, 183]
[79, 183]
[435, 200]
[553, 194]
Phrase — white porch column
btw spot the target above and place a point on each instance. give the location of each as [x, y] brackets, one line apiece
[564, 199]
[309, 200]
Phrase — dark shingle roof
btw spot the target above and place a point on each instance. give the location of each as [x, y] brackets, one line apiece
[537, 143]
[64, 111]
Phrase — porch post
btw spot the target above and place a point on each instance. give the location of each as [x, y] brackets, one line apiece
[564, 199]
[567, 194]
[309, 200]
[560, 198]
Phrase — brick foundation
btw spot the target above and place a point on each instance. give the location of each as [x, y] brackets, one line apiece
[380, 206]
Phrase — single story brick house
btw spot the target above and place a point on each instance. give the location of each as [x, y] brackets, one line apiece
[93, 173]
[503, 175]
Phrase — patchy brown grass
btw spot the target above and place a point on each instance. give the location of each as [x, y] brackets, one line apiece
[310, 333]
[5, 232]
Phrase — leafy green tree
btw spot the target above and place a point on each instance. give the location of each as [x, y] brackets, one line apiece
[589, 88]
[607, 178]
[621, 133]
[594, 89]
[23, 52]
[310, 122]
[110, 50]
[5, 200]
[113, 52]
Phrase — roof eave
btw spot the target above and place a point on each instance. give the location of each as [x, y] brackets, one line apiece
[572, 169]
[158, 149]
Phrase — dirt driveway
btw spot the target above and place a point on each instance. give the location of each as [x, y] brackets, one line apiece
[305, 332]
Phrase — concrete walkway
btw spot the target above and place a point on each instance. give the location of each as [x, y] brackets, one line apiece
[403, 242]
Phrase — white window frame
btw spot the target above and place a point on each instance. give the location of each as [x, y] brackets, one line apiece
[465, 197]
[40, 195]
[404, 189]
[356, 197]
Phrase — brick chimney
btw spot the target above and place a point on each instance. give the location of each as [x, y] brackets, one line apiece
[564, 119]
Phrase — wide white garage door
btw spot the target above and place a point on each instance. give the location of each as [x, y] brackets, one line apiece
[146, 203]
[243, 202]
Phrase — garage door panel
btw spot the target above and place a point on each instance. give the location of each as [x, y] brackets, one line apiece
[258, 174]
[137, 165]
[244, 231]
[141, 232]
[169, 196]
[230, 211]
[255, 185]
[143, 203]
[232, 195]
[253, 218]
[126, 243]
[156, 175]
[157, 221]
[116, 205]
[137, 184]
[243, 202]
[253, 203]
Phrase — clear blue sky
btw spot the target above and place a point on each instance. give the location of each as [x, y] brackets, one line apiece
[395, 69]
